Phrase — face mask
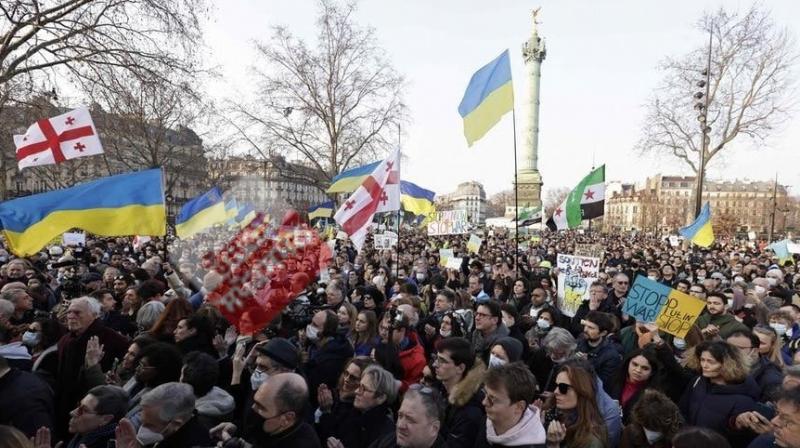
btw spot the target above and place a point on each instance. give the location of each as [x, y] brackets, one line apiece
[652, 436]
[772, 281]
[31, 339]
[679, 344]
[378, 280]
[700, 278]
[494, 361]
[487, 269]
[652, 277]
[779, 328]
[543, 324]
[738, 279]
[257, 379]
[508, 323]
[145, 436]
[445, 334]
[760, 290]
[357, 267]
[420, 277]
[312, 333]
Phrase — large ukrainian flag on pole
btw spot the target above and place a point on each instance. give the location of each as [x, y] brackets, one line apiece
[349, 180]
[700, 231]
[201, 213]
[122, 205]
[489, 96]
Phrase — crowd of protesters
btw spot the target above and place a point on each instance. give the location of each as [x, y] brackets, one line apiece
[387, 348]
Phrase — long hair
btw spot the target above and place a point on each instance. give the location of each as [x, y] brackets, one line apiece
[648, 352]
[734, 365]
[175, 311]
[774, 353]
[372, 328]
[589, 423]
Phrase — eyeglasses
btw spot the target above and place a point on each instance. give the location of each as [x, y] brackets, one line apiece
[363, 389]
[441, 360]
[83, 410]
[563, 388]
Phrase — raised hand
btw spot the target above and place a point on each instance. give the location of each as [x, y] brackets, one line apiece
[94, 352]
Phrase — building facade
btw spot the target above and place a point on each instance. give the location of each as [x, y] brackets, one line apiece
[469, 196]
[666, 203]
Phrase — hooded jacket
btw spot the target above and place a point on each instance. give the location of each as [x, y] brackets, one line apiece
[464, 414]
[528, 432]
[605, 358]
[214, 407]
[413, 361]
[715, 406]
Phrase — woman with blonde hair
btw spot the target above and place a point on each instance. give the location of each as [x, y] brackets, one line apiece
[723, 390]
[770, 345]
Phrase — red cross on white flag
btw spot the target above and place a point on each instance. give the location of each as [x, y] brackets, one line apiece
[380, 192]
[52, 141]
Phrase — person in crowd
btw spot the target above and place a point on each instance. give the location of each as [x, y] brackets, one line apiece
[159, 363]
[213, 404]
[721, 392]
[767, 375]
[717, 321]
[654, 421]
[347, 314]
[372, 420]
[418, 421]
[147, 316]
[489, 327]
[328, 351]
[512, 321]
[174, 312]
[411, 353]
[640, 370]
[111, 316]
[95, 420]
[366, 333]
[41, 339]
[546, 318]
[336, 406]
[510, 421]
[572, 417]
[558, 346]
[124, 375]
[195, 333]
[26, 401]
[694, 436]
[461, 373]
[602, 351]
[506, 350]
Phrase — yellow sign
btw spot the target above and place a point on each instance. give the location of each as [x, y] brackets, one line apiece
[679, 313]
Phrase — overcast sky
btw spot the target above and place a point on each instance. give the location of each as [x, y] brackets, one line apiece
[600, 69]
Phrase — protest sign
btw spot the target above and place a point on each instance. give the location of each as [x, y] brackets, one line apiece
[450, 222]
[341, 236]
[589, 250]
[679, 313]
[474, 244]
[444, 254]
[454, 263]
[74, 239]
[751, 235]
[674, 241]
[385, 240]
[575, 276]
[645, 299]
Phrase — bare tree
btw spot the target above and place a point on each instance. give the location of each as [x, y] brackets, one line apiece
[749, 93]
[496, 204]
[553, 197]
[333, 105]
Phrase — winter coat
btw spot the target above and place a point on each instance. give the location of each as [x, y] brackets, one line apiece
[46, 365]
[726, 322]
[190, 434]
[464, 414]
[16, 355]
[482, 344]
[361, 429]
[26, 402]
[214, 407]
[605, 358]
[326, 364]
[195, 343]
[340, 415]
[769, 378]
[72, 383]
[609, 409]
[633, 436]
[300, 435]
[390, 441]
[715, 406]
[365, 348]
[527, 433]
[95, 439]
[413, 361]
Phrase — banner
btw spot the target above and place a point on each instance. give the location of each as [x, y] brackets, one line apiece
[454, 263]
[672, 311]
[576, 274]
[590, 250]
[474, 244]
[385, 240]
[450, 222]
[74, 238]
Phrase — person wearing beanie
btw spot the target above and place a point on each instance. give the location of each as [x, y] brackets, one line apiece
[505, 351]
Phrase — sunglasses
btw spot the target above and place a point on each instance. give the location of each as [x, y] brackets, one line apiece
[563, 388]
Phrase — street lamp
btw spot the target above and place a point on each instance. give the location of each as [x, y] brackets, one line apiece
[702, 118]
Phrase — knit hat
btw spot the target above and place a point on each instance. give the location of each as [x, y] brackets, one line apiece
[281, 351]
[512, 346]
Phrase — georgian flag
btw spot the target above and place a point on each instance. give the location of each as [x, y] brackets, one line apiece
[586, 201]
[54, 140]
[379, 192]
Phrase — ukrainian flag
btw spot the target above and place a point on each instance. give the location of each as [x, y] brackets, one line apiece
[489, 96]
[349, 180]
[201, 213]
[231, 209]
[122, 205]
[247, 213]
[416, 199]
[324, 210]
[700, 231]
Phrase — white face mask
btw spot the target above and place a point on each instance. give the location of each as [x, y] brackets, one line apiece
[679, 344]
[508, 322]
[145, 436]
[543, 324]
[494, 361]
[312, 333]
[420, 277]
[760, 290]
[779, 328]
[738, 279]
[445, 334]
[31, 339]
[257, 378]
[772, 281]
[652, 436]
[652, 277]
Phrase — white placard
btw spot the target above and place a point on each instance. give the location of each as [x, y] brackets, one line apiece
[73, 239]
[454, 263]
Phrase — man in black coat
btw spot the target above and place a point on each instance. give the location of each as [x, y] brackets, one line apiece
[603, 353]
[26, 401]
[328, 354]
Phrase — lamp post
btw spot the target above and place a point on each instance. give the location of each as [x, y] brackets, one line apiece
[702, 107]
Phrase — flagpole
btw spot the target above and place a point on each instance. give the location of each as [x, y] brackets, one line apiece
[397, 247]
[516, 194]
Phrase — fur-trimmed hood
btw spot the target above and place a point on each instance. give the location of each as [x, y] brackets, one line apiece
[466, 389]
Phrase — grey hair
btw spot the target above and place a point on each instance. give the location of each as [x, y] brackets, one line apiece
[383, 381]
[91, 304]
[111, 400]
[559, 339]
[11, 295]
[173, 400]
[6, 308]
[149, 313]
[430, 399]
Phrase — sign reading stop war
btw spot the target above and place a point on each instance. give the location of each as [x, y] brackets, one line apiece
[672, 311]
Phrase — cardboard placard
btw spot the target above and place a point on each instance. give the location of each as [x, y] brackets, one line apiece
[474, 244]
[672, 311]
[444, 254]
[74, 239]
[576, 275]
[645, 299]
[454, 263]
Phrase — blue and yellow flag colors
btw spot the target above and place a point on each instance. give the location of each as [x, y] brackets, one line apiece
[122, 205]
[201, 213]
[416, 199]
[231, 210]
[324, 210]
[246, 214]
[489, 96]
[700, 231]
[781, 250]
[348, 180]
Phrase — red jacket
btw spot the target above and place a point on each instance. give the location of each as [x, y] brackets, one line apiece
[413, 361]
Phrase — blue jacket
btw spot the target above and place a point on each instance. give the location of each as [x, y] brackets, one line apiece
[715, 406]
[605, 358]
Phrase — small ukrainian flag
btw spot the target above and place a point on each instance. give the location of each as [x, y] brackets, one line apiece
[700, 231]
[201, 213]
[324, 210]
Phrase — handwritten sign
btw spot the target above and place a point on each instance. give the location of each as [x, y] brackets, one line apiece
[454, 263]
[679, 313]
[74, 238]
[444, 254]
[590, 250]
[474, 244]
[645, 299]
[385, 240]
[576, 275]
[450, 222]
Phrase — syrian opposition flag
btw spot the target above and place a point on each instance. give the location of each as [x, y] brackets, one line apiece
[52, 141]
[379, 192]
[529, 215]
[586, 201]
